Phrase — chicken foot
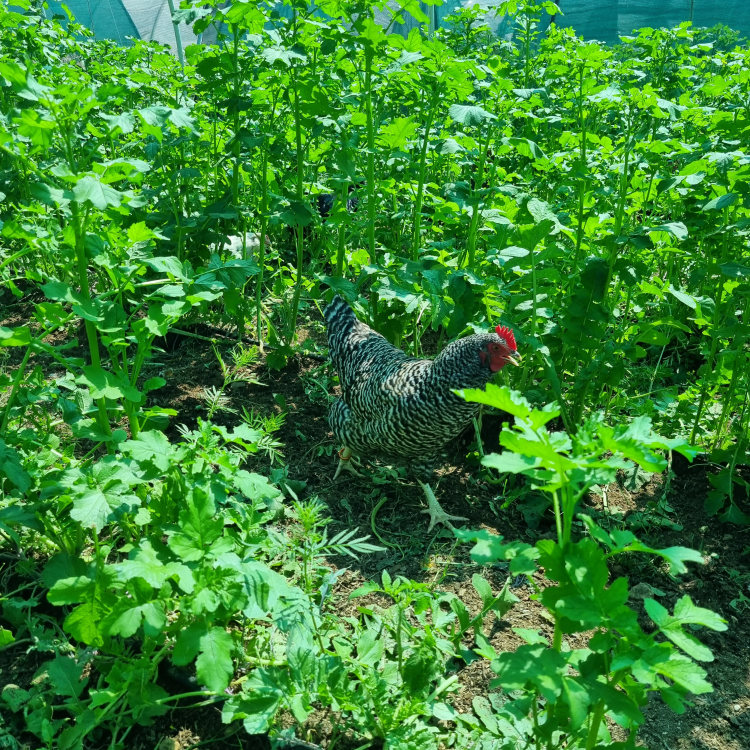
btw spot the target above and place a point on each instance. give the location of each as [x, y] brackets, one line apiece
[348, 462]
[436, 513]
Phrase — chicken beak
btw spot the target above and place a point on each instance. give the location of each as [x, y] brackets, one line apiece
[514, 359]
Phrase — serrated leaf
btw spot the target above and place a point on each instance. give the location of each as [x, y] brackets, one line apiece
[90, 189]
[105, 384]
[93, 508]
[510, 463]
[255, 709]
[685, 613]
[151, 446]
[198, 527]
[469, 115]
[144, 563]
[214, 664]
[538, 665]
[65, 676]
[124, 121]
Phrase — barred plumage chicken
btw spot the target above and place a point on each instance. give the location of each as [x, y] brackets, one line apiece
[403, 409]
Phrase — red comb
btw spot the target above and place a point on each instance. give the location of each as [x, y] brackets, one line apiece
[507, 334]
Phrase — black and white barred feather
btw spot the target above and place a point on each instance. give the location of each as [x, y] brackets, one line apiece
[397, 407]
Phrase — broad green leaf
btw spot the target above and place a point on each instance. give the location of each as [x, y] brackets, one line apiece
[13, 696]
[398, 133]
[297, 214]
[526, 148]
[198, 527]
[50, 195]
[484, 711]
[94, 508]
[90, 189]
[685, 613]
[188, 644]
[685, 673]
[105, 384]
[676, 228]
[511, 463]
[214, 664]
[578, 698]
[538, 665]
[532, 637]
[169, 265]
[65, 676]
[723, 201]
[129, 617]
[125, 121]
[490, 549]
[6, 638]
[501, 398]
[152, 446]
[468, 114]
[676, 557]
[735, 270]
[685, 298]
[144, 563]
[257, 709]
[370, 648]
[38, 129]
[15, 336]
[286, 56]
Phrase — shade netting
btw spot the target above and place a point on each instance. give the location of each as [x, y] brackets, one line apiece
[604, 20]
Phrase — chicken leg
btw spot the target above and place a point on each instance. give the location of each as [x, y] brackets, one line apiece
[348, 462]
[435, 512]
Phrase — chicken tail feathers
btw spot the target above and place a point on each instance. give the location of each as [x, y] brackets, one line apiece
[346, 333]
[340, 321]
[338, 313]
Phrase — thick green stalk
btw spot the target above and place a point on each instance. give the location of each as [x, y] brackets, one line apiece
[236, 118]
[262, 250]
[582, 182]
[342, 237]
[620, 210]
[596, 720]
[478, 182]
[736, 372]
[416, 240]
[83, 281]
[300, 197]
[714, 339]
[370, 185]
[14, 390]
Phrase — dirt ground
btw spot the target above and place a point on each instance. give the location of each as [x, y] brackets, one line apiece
[670, 514]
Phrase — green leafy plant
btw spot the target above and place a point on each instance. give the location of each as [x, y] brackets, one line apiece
[621, 663]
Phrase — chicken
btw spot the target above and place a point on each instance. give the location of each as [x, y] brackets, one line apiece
[403, 409]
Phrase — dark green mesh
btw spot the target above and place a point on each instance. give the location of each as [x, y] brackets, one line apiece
[605, 20]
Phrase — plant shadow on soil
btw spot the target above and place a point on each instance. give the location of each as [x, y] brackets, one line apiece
[717, 721]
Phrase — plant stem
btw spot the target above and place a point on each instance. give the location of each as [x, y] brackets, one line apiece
[479, 181]
[416, 240]
[83, 282]
[370, 184]
[300, 196]
[596, 720]
[262, 250]
[14, 389]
